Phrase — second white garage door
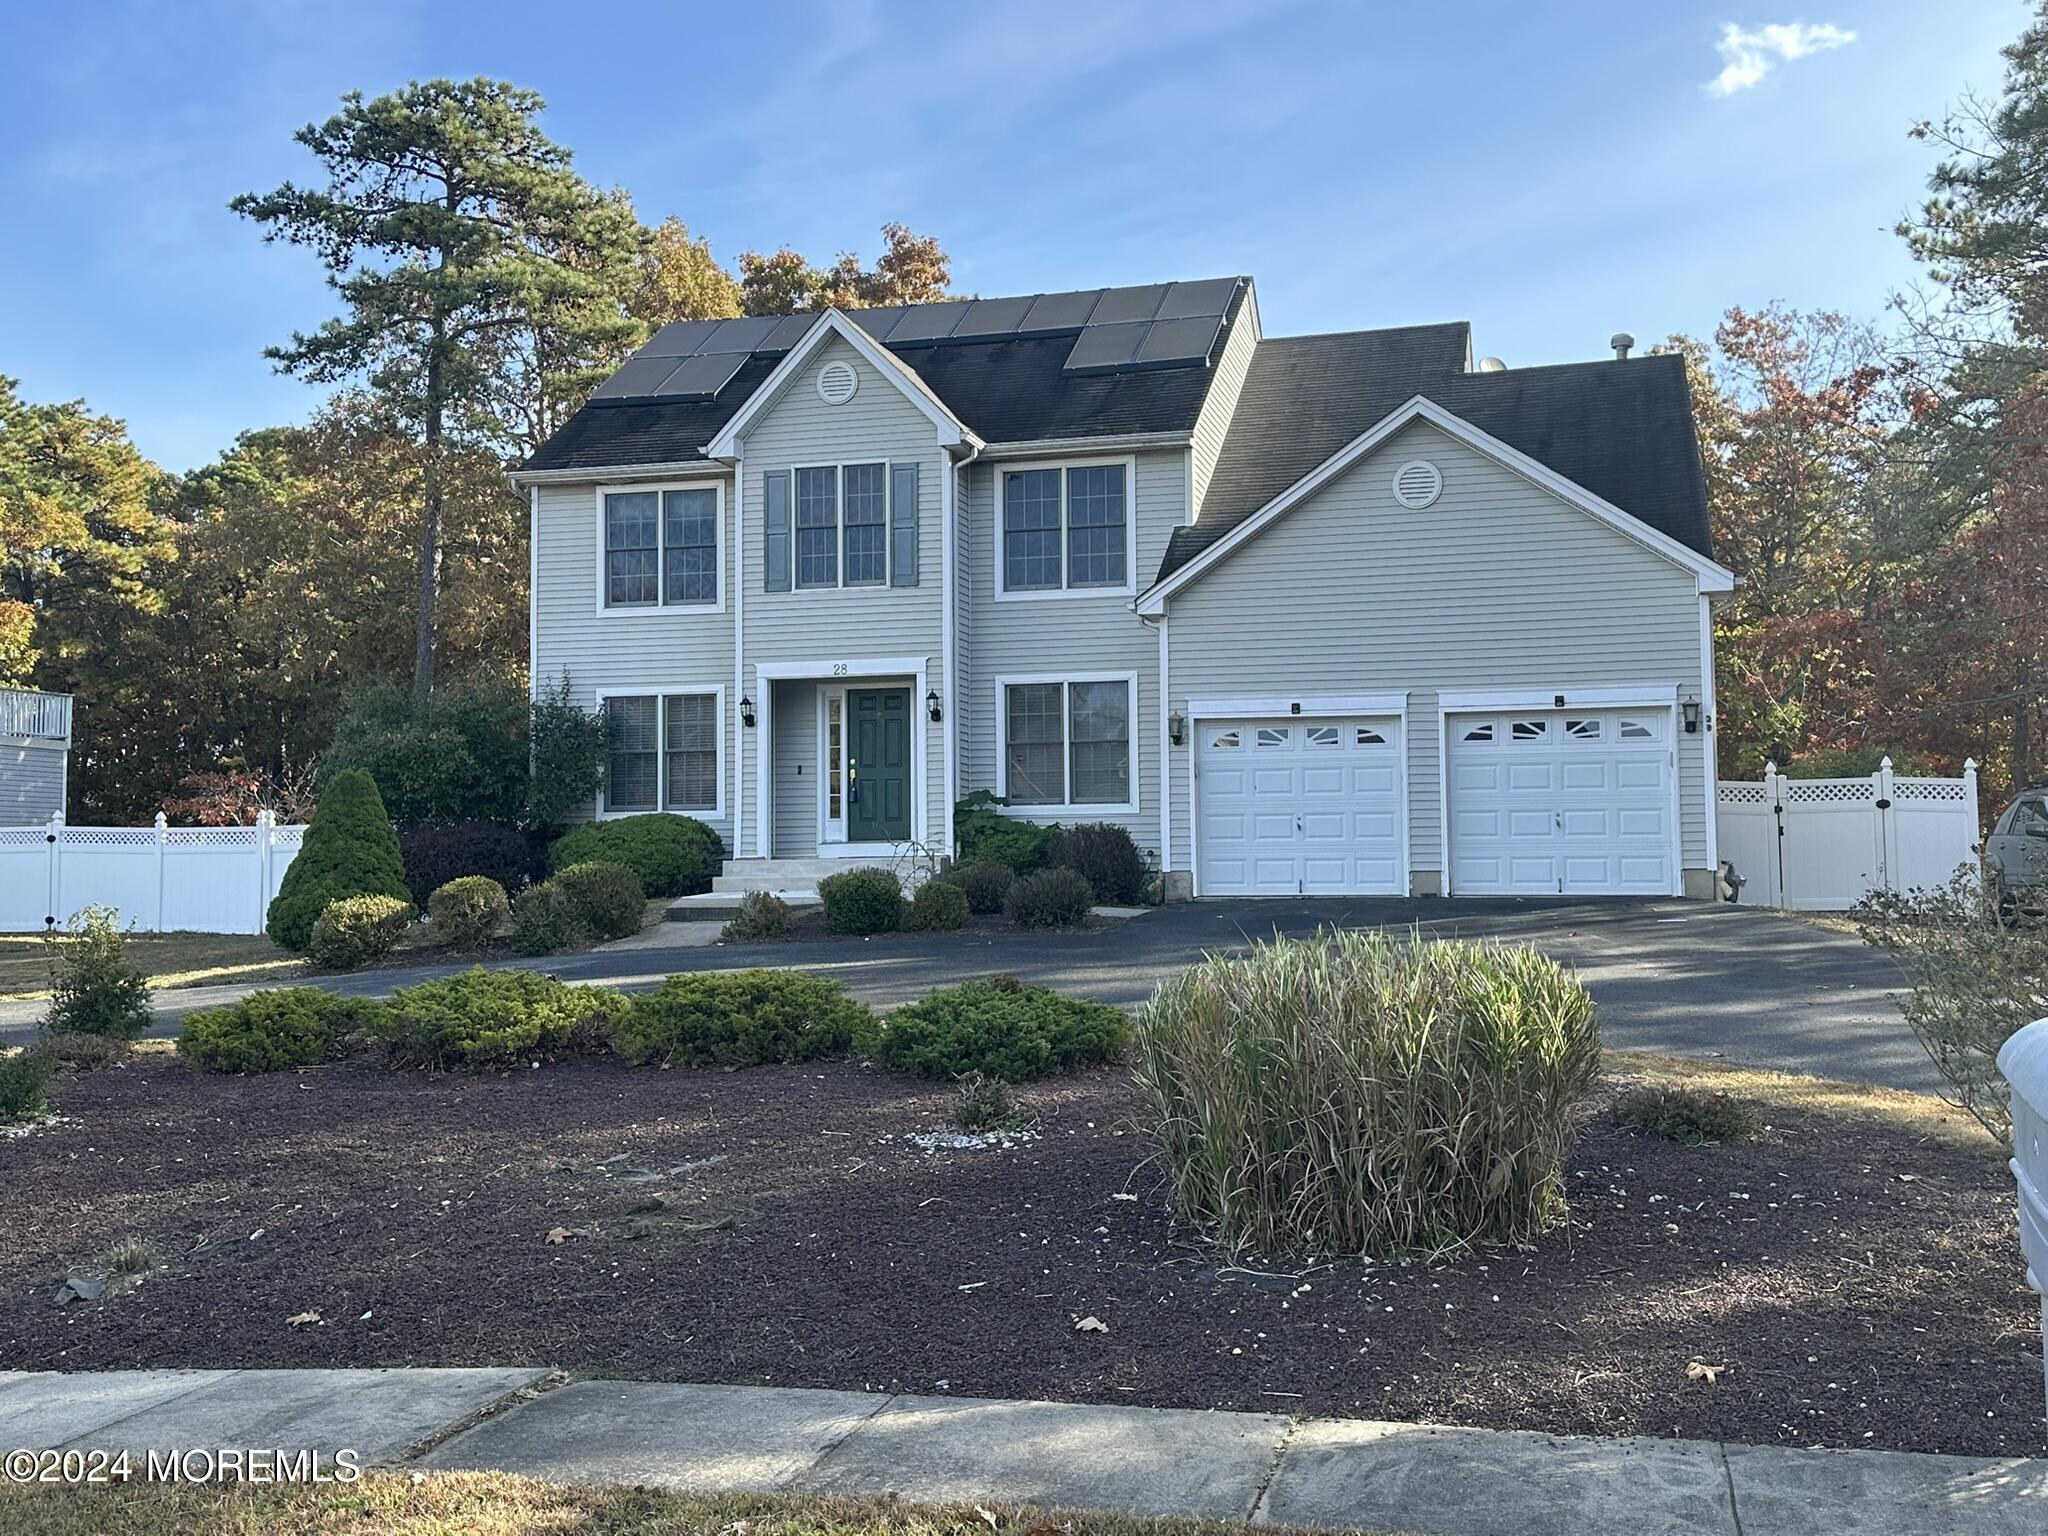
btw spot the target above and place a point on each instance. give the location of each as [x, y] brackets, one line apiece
[1561, 802]
[1300, 807]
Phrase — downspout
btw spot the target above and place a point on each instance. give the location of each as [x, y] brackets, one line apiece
[739, 611]
[948, 637]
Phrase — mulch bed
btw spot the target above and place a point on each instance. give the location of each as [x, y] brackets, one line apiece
[1856, 1286]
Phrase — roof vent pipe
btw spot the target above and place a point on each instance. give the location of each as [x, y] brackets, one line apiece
[1621, 341]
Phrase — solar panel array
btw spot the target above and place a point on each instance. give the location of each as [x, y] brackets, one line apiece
[1121, 330]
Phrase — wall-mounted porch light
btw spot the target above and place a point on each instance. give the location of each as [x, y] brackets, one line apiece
[931, 707]
[1176, 728]
[747, 713]
[1690, 708]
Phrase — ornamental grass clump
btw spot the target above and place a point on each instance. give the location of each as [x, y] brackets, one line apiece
[1360, 1093]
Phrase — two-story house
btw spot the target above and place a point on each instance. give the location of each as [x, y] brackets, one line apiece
[1330, 613]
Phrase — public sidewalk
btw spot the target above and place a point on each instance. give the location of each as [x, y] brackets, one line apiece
[1325, 1472]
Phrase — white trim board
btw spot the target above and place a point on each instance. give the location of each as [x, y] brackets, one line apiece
[768, 673]
[1710, 576]
[660, 691]
[1248, 706]
[1642, 696]
[1006, 680]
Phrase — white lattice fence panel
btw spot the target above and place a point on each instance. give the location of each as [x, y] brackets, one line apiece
[1934, 830]
[24, 878]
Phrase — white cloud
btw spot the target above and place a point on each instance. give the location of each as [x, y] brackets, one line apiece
[1748, 54]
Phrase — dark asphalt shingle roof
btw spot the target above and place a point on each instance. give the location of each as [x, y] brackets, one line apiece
[1622, 430]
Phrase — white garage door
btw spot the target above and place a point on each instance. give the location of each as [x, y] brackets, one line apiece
[1561, 802]
[1300, 807]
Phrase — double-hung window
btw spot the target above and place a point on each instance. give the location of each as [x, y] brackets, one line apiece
[1064, 528]
[663, 752]
[842, 525]
[661, 547]
[867, 524]
[817, 526]
[1067, 742]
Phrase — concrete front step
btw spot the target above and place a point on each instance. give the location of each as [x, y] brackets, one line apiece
[743, 875]
[717, 906]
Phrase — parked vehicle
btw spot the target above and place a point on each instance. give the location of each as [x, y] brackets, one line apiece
[2016, 852]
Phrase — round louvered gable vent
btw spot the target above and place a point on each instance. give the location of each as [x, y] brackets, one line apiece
[1418, 483]
[837, 381]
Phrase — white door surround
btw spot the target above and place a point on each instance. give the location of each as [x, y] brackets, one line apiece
[1566, 791]
[835, 674]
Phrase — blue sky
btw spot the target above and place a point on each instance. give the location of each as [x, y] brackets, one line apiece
[1553, 173]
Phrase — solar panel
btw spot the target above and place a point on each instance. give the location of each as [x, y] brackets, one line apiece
[994, 317]
[788, 334]
[1210, 296]
[701, 377]
[639, 376]
[1119, 304]
[679, 338]
[1106, 347]
[928, 322]
[877, 322]
[1060, 311]
[742, 335]
[1180, 341]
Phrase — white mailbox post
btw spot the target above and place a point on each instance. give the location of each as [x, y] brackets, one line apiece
[2024, 1061]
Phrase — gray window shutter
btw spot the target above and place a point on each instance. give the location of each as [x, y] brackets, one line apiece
[903, 525]
[775, 536]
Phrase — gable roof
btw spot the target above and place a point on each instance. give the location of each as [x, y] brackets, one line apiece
[1711, 577]
[1020, 386]
[1621, 430]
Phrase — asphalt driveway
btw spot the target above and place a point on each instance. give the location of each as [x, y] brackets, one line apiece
[1686, 977]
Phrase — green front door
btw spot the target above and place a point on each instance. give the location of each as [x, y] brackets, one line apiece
[878, 765]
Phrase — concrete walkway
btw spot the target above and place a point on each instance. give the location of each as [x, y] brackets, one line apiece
[1324, 1472]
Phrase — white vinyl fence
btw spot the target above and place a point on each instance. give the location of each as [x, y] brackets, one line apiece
[1822, 845]
[159, 878]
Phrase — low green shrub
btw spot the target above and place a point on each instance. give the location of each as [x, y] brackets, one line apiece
[273, 1030]
[762, 915]
[486, 1019]
[1686, 1114]
[354, 930]
[606, 900]
[468, 911]
[1022, 847]
[739, 1019]
[862, 901]
[543, 922]
[23, 1078]
[1052, 898]
[999, 1028]
[985, 884]
[95, 989]
[1108, 858]
[1355, 1092]
[983, 1103]
[672, 855]
[938, 905]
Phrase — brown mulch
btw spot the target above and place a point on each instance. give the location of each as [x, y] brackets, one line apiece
[1855, 1286]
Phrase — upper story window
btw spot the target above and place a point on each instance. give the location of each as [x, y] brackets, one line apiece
[840, 525]
[817, 527]
[1064, 528]
[661, 547]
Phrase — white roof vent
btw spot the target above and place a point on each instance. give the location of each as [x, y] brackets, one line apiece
[1417, 483]
[837, 381]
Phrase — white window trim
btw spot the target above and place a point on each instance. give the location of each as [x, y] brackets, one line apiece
[606, 608]
[1009, 680]
[839, 527]
[1129, 587]
[659, 691]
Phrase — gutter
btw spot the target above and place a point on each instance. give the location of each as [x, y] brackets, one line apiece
[614, 472]
[1125, 441]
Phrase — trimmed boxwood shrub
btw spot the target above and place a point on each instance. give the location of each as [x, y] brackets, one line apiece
[739, 1019]
[761, 915]
[435, 855]
[999, 1028]
[543, 922]
[672, 855]
[23, 1078]
[1052, 898]
[467, 912]
[1108, 858]
[862, 901]
[605, 900]
[95, 989]
[1357, 1092]
[985, 884]
[273, 1030]
[938, 904]
[349, 850]
[355, 930]
[484, 1019]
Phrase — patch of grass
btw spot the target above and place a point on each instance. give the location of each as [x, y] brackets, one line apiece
[497, 1504]
[1689, 1115]
[983, 1103]
[166, 959]
[1917, 1114]
[130, 1256]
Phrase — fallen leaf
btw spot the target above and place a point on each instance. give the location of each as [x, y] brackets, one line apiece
[1121, 1196]
[1091, 1324]
[559, 1234]
[306, 1320]
[1698, 1371]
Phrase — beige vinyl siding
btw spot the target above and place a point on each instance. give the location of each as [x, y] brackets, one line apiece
[1221, 402]
[31, 784]
[621, 649]
[1066, 635]
[1498, 585]
[847, 624]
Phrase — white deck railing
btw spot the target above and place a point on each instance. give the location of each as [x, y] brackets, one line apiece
[25, 712]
